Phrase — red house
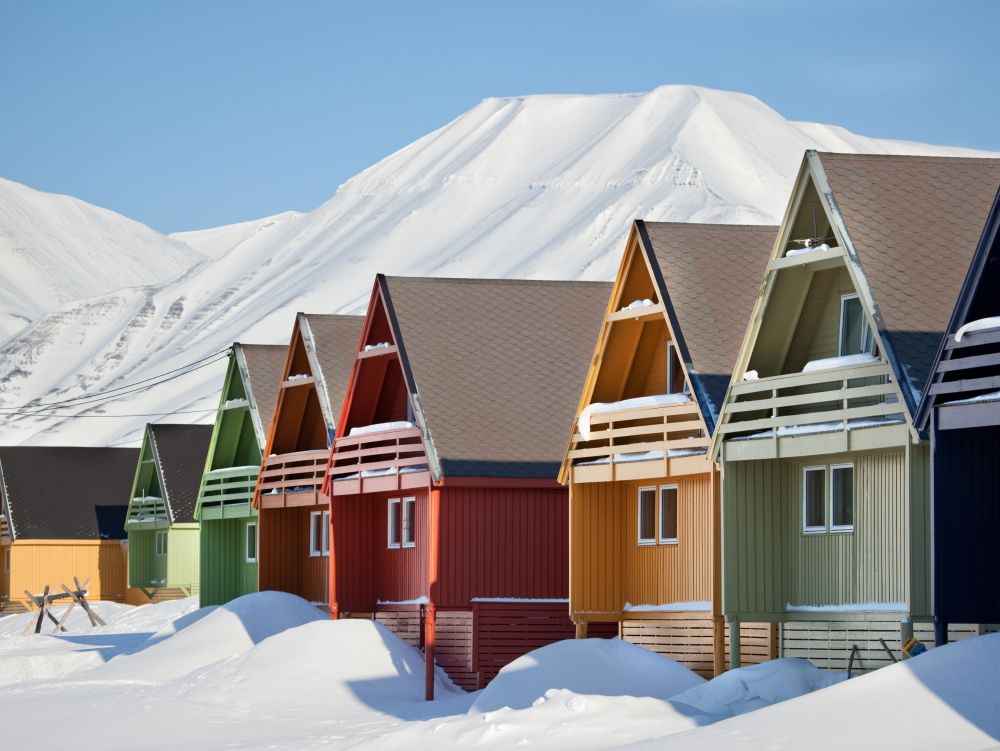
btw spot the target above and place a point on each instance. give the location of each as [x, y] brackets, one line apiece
[448, 525]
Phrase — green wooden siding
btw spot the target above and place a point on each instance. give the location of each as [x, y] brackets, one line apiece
[183, 553]
[144, 568]
[225, 574]
[769, 562]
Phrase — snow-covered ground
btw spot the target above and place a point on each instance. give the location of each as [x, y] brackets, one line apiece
[268, 672]
[528, 187]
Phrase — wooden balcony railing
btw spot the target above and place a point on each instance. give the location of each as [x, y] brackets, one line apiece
[375, 462]
[837, 400]
[967, 381]
[294, 479]
[227, 492]
[641, 443]
[147, 510]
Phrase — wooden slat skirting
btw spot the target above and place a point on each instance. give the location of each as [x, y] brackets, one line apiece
[688, 639]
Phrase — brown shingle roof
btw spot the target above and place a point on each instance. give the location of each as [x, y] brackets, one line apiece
[264, 365]
[67, 493]
[335, 339]
[709, 280]
[498, 366]
[915, 223]
[180, 452]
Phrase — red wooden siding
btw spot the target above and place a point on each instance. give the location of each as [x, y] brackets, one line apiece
[505, 631]
[283, 562]
[501, 542]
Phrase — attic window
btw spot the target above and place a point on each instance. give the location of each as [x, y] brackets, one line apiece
[675, 373]
[855, 334]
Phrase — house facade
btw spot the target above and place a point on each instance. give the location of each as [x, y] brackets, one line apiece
[644, 496]
[163, 533]
[293, 515]
[448, 523]
[825, 477]
[225, 512]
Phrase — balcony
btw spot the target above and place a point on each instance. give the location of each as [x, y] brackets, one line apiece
[294, 479]
[639, 440]
[379, 458]
[832, 410]
[227, 493]
[966, 390]
[147, 512]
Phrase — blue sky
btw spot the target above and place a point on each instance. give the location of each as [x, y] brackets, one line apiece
[193, 114]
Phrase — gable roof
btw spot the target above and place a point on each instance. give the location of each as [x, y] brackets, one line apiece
[707, 278]
[494, 367]
[331, 344]
[914, 223]
[67, 492]
[179, 454]
[985, 266]
[260, 367]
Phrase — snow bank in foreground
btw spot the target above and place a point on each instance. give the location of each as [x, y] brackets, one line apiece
[604, 667]
[212, 634]
[755, 686]
[947, 698]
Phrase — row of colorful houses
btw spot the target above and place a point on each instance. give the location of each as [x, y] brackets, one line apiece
[782, 443]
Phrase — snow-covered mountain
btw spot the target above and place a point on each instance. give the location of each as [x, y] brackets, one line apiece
[536, 187]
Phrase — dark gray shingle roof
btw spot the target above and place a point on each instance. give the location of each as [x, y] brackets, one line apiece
[180, 452]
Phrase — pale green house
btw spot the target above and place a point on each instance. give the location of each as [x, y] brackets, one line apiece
[163, 533]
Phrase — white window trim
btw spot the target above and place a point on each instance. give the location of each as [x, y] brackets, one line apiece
[867, 336]
[157, 536]
[321, 547]
[638, 516]
[6, 559]
[246, 542]
[806, 529]
[659, 514]
[412, 502]
[839, 528]
[389, 543]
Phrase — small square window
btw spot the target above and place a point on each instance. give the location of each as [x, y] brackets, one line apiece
[842, 498]
[647, 516]
[251, 542]
[409, 522]
[814, 499]
[160, 543]
[319, 533]
[394, 523]
[668, 514]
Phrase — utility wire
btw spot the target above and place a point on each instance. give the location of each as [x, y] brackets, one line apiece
[137, 414]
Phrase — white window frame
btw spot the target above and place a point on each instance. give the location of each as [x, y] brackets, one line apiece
[806, 529]
[159, 551]
[659, 514]
[321, 547]
[410, 503]
[6, 559]
[390, 543]
[867, 336]
[839, 528]
[638, 515]
[246, 542]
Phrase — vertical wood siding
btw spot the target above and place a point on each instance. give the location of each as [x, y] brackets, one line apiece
[502, 542]
[35, 563]
[400, 573]
[609, 568]
[966, 520]
[770, 562]
[283, 560]
[225, 574]
[144, 568]
[183, 557]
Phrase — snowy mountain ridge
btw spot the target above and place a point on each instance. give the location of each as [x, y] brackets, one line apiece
[533, 187]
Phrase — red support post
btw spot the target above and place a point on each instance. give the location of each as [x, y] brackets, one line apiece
[433, 541]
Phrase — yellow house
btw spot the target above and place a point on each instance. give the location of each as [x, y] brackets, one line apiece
[62, 515]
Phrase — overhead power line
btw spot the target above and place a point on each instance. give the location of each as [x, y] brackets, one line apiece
[88, 416]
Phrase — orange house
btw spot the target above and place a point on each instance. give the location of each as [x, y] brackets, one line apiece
[644, 497]
[294, 524]
[62, 515]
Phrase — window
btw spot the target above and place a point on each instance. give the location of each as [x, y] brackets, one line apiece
[668, 514]
[855, 335]
[6, 559]
[814, 499]
[676, 383]
[160, 543]
[409, 522]
[842, 498]
[394, 536]
[319, 533]
[251, 542]
[647, 516]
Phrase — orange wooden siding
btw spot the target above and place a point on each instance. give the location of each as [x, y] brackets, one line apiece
[35, 563]
[609, 568]
[283, 561]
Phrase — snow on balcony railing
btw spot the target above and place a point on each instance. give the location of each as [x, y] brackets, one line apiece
[382, 450]
[296, 472]
[228, 486]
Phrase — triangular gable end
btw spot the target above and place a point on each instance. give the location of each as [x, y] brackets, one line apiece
[797, 319]
[632, 356]
[148, 504]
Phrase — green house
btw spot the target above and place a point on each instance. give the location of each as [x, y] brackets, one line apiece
[224, 509]
[825, 476]
[162, 529]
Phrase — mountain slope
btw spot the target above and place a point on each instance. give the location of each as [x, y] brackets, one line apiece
[542, 187]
